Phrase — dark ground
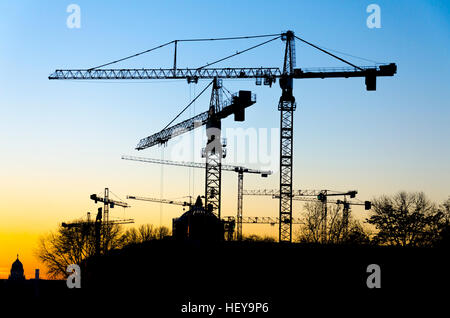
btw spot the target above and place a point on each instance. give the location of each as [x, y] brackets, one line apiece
[160, 276]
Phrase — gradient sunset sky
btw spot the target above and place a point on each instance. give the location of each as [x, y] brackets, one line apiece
[63, 140]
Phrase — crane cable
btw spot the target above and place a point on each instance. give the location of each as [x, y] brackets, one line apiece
[131, 56]
[182, 111]
[331, 54]
[120, 199]
[227, 91]
[183, 40]
[231, 38]
[323, 49]
[354, 56]
[237, 53]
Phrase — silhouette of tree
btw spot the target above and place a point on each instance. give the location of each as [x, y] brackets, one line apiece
[311, 230]
[406, 219]
[144, 233]
[356, 234]
[162, 232]
[444, 235]
[72, 245]
[445, 209]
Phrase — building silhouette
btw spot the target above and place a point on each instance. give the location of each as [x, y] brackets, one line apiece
[16, 270]
[198, 224]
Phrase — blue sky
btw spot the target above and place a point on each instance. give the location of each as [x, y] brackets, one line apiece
[65, 138]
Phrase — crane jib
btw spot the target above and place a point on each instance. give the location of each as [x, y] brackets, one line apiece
[209, 73]
[235, 105]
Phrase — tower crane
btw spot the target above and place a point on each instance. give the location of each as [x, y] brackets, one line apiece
[107, 203]
[238, 169]
[286, 104]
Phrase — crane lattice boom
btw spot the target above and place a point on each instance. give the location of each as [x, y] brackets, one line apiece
[263, 220]
[299, 193]
[182, 203]
[236, 103]
[197, 165]
[193, 75]
[90, 223]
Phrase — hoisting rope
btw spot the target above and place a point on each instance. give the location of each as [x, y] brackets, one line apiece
[185, 40]
[326, 52]
[240, 52]
[129, 57]
[276, 36]
[192, 101]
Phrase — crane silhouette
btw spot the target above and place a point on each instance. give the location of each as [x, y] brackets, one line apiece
[267, 75]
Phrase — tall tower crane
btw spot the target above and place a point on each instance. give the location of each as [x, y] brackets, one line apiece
[107, 203]
[238, 169]
[286, 104]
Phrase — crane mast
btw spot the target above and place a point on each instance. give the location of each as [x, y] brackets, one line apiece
[214, 152]
[286, 106]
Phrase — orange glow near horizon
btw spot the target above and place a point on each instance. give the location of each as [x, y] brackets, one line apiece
[50, 201]
[22, 232]
[23, 244]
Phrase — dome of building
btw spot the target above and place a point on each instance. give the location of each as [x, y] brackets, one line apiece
[198, 224]
[17, 270]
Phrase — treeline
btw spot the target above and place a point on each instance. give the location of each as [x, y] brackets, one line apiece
[74, 244]
[403, 219]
